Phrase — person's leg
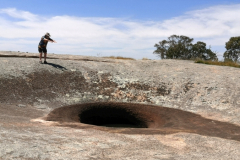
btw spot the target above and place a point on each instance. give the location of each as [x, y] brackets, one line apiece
[45, 57]
[40, 54]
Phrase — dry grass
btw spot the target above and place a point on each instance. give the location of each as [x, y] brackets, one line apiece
[119, 57]
[219, 63]
[145, 58]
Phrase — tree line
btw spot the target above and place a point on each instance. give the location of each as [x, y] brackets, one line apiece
[182, 47]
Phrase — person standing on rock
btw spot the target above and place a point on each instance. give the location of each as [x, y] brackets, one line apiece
[42, 47]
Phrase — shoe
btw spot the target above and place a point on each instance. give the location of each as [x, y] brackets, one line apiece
[45, 62]
[40, 62]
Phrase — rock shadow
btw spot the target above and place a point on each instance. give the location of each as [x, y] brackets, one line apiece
[140, 119]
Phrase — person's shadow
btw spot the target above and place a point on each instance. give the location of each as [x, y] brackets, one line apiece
[57, 66]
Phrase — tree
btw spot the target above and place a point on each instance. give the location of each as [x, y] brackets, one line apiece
[233, 49]
[176, 47]
[200, 51]
[181, 47]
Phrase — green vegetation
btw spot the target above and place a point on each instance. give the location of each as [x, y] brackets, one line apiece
[181, 47]
[231, 56]
[233, 49]
[219, 63]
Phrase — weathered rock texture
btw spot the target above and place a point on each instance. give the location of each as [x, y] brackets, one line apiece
[29, 91]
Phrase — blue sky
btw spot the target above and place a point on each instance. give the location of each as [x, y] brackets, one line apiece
[128, 28]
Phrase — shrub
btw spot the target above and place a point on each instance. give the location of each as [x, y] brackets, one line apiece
[219, 63]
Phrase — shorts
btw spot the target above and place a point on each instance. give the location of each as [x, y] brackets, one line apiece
[40, 50]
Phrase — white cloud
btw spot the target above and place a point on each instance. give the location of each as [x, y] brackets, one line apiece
[19, 14]
[115, 36]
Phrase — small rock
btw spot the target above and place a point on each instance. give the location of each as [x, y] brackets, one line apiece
[42, 106]
[73, 70]
[21, 105]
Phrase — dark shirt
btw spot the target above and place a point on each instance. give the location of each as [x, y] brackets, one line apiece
[43, 43]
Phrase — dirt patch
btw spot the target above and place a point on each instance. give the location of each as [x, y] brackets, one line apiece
[40, 85]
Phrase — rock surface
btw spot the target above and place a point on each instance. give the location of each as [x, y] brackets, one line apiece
[29, 91]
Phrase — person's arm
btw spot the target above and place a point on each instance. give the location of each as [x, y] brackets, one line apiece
[49, 39]
[52, 40]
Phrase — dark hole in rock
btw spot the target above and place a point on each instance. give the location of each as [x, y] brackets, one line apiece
[121, 115]
[112, 117]
[132, 118]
